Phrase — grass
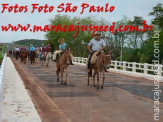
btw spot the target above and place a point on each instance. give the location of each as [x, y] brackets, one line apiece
[3, 47]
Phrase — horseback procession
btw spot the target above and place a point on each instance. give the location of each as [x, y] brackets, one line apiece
[98, 59]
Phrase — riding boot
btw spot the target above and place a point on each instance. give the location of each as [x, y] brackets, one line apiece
[71, 63]
[106, 69]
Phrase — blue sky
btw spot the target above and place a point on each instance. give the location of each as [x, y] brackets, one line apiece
[127, 8]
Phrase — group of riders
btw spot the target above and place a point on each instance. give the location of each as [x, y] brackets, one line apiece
[95, 47]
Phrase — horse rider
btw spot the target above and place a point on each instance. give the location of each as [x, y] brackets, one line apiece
[48, 49]
[36, 49]
[95, 45]
[16, 49]
[62, 46]
[31, 49]
[23, 48]
[42, 50]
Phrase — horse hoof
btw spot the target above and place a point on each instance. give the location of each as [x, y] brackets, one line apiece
[88, 84]
[65, 83]
[94, 85]
[101, 87]
[97, 87]
[62, 83]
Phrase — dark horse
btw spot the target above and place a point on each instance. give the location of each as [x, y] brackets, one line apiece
[10, 52]
[23, 56]
[17, 54]
[102, 62]
[62, 64]
[32, 57]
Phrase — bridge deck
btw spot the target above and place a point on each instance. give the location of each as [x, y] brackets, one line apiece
[16, 103]
[123, 98]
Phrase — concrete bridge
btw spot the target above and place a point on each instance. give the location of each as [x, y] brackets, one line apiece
[31, 93]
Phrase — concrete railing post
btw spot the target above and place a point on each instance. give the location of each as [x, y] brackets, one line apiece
[134, 67]
[145, 68]
[82, 60]
[124, 65]
[160, 70]
[115, 64]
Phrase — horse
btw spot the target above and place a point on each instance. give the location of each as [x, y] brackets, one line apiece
[62, 65]
[17, 54]
[10, 52]
[102, 62]
[32, 57]
[21, 53]
[23, 56]
[42, 58]
[48, 57]
[28, 55]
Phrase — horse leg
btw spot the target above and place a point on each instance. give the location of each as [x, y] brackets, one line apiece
[66, 75]
[31, 61]
[88, 76]
[47, 64]
[25, 61]
[57, 72]
[94, 78]
[97, 80]
[103, 79]
[42, 62]
[62, 76]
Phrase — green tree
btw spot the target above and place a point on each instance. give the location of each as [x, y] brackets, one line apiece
[77, 44]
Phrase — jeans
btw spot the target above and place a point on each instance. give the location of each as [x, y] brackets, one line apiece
[89, 59]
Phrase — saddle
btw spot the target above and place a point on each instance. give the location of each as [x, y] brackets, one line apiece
[59, 54]
[92, 59]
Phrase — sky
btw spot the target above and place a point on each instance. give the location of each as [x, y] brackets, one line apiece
[129, 8]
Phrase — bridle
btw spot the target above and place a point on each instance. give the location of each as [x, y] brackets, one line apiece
[103, 63]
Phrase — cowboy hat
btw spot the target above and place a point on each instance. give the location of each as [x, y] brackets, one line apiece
[61, 39]
[97, 33]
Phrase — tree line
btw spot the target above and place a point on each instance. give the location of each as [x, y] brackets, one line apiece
[27, 42]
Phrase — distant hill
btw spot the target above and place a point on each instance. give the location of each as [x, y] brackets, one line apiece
[27, 42]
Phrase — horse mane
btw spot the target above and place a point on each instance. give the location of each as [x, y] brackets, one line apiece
[63, 56]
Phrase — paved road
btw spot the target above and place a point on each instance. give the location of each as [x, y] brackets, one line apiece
[123, 99]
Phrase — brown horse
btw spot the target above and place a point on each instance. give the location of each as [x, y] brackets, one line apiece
[102, 62]
[63, 65]
[32, 57]
[23, 56]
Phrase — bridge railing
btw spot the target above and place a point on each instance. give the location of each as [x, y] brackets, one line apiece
[1, 83]
[129, 67]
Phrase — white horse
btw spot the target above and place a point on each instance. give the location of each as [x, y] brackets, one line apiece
[48, 57]
[42, 58]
